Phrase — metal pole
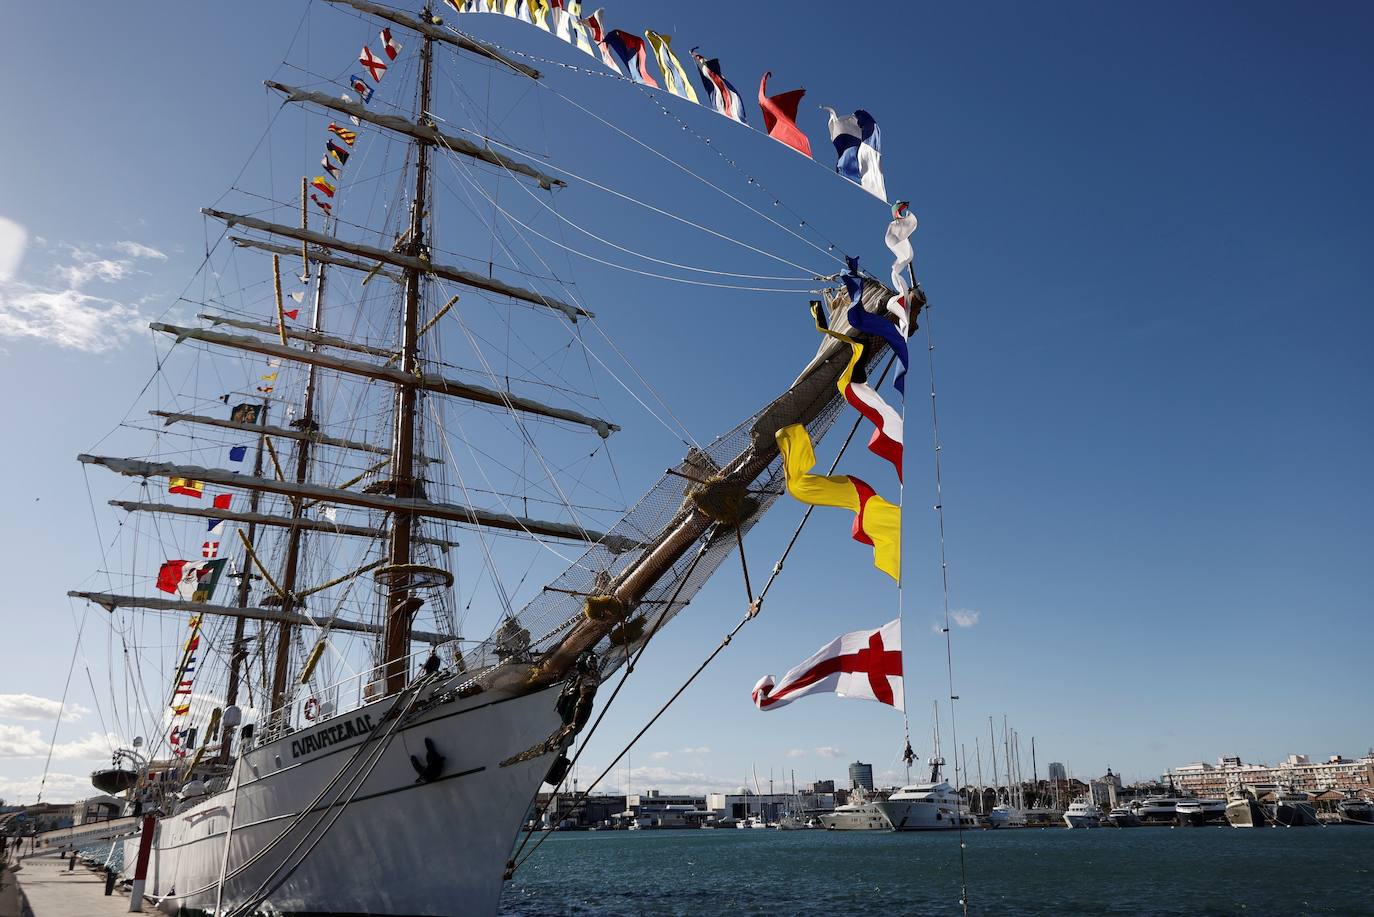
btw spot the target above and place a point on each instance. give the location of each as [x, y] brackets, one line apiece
[145, 849]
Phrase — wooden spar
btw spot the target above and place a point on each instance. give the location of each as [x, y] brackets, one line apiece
[434, 320]
[319, 254]
[110, 601]
[439, 384]
[424, 133]
[281, 308]
[255, 518]
[463, 515]
[401, 605]
[435, 33]
[397, 259]
[804, 400]
[296, 334]
[305, 224]
[170, 417]
[281, 676]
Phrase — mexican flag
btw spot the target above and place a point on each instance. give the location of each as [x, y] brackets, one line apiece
[193, 580]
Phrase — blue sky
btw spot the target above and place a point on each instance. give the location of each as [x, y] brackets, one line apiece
[1145, 233]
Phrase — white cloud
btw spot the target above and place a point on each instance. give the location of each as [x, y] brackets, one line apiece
[95, 745]
[828, 751]
[13, 239]
[698, 750]
[58, 788]
[20, 742]
[67, 318]
[675, 781]
[85, 266]
[796, 752]
[139, 250]
[30, 707]
[66, 315]
[959, 617]
[661, 755]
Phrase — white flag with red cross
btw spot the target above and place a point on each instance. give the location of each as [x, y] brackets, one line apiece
[865, 664]
[374, 64]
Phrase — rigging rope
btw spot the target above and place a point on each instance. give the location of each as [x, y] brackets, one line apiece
[622, 267]
[828, 252]
[658, 210]
[944, 580]
[754, 607]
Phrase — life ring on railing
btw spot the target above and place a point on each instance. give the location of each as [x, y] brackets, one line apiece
[312, 709]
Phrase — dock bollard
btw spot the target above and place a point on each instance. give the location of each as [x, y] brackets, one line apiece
[109, 881]
[71, 861]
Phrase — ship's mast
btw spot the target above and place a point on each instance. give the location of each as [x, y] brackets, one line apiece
[237, 653]
[400, 605]
[282, 668]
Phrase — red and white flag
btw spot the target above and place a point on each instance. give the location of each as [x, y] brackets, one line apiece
[209, 548]
[865, 664]
[374, 64]
[390, 46]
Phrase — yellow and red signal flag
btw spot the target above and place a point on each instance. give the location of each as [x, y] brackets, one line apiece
[320, 183]
[186, 487]
[876, 521]
[886, 441]
[343, 133]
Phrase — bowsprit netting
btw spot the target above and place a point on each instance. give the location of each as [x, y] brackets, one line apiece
[696, 507]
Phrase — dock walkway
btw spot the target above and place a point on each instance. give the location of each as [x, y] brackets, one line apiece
[52, 891]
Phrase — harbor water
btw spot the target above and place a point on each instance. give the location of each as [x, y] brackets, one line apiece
[1153, 871]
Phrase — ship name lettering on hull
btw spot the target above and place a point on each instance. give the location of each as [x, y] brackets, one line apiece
[331, 735]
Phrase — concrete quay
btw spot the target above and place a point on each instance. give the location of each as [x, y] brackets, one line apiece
[46, 888]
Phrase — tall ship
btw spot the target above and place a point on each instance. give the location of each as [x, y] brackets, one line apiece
[360, 437]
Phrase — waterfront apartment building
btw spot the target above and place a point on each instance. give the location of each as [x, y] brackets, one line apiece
[861, 775]
[1298, 771]
[1058, 773]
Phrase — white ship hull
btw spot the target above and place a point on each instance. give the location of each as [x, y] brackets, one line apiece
[865, 817]
[400, 847]
[925, 816]
[1083, 821]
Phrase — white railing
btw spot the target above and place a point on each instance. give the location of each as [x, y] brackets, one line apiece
[309, 706]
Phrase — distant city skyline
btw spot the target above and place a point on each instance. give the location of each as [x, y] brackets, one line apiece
[1149, 284]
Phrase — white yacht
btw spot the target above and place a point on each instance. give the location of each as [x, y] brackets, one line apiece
[1197, 812]
[1355, 811]
[1083, 814]
[856, 816]
[1123, 817]
[1159, 809]
[933, 806]
[1005, 816]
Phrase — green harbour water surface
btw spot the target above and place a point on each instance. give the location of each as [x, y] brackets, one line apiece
[1150, 871]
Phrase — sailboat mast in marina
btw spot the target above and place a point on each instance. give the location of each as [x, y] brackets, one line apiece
[354, 721]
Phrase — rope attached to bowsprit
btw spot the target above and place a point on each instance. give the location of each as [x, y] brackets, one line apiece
[755, 604]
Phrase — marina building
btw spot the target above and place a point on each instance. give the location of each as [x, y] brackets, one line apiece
[1297, 771]
[861, 775]
[1058, 773]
